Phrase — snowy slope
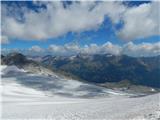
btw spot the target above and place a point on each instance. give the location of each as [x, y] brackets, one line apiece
[26, 95]
[53, 84]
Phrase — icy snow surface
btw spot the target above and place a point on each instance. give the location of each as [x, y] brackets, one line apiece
[36, 96]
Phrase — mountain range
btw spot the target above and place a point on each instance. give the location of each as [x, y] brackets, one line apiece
[101, 69]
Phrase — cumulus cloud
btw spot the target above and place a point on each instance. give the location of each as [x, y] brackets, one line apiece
[4, 39]
[111, 48]
[56, 20]
[141, 21]
[4, 51]
[108, 47]
[67, 49]
[143, 49]
[70, 49]
[36, 48]
[131, 49]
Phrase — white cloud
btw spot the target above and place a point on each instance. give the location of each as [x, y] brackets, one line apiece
[67, 49]
[90, 49]
[4, 51]
[57, 20]
[141, 21]
[4, 39]
[70, 49]
[111, 48]
[36, 48]
[143, 49]
[131, 49]
[108, 47]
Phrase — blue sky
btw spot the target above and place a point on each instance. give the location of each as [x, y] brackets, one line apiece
[113, 28]
[84, 38]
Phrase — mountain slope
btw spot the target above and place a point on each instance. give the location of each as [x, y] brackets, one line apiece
[98, 68]
[36, 92]
[54, 84]
[109, 68]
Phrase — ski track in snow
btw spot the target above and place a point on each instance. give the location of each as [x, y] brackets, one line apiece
[22, 102]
